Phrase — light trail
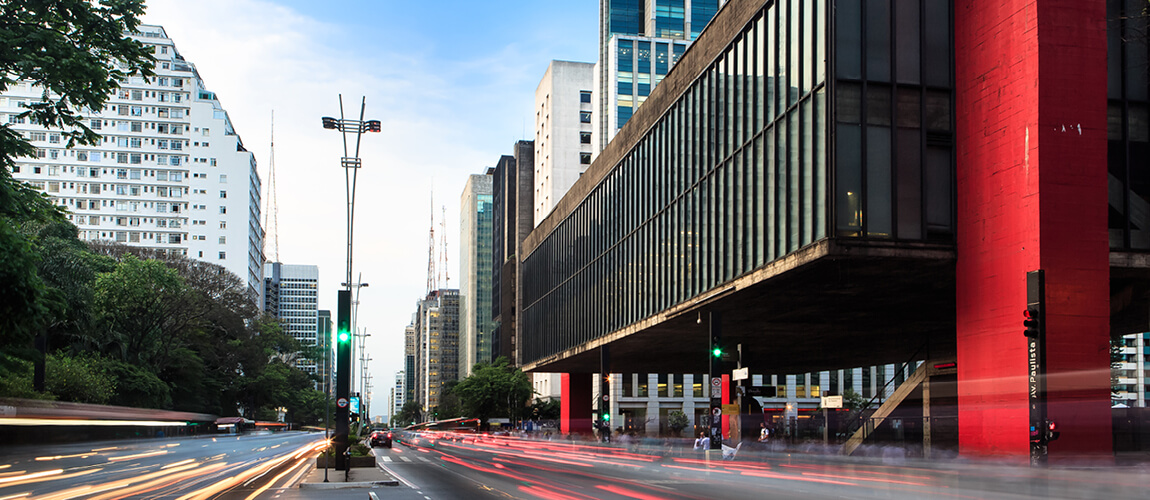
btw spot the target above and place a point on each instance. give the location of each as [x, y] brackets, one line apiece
[301, 462]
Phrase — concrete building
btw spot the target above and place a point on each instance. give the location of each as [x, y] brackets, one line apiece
[563, 130]
[436, 330]
[639, 42]
[476, 240]
[894, 181]
[293, 292]
[170, 173]
[409, 350]
[512, 200]
[399, 392]
[323, 332]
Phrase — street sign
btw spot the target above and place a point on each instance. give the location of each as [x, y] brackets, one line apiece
[355, 404]
[716, 387]
[606, 397]
[731, 409]
[762, 391]
[832, 401]
[716, 411]
[741, 374]
[341, 402]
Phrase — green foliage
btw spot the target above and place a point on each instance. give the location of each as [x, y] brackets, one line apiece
[80, 379]
[449, 404]
[16, 381]
[677, 421]
[493, 390]
[71, 50]
[410, 413]
[854, 400]
[546, 409]
[138, 387]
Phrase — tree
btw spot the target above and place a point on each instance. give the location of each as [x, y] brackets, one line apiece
[409, 414]
[145, 311]
[449, 404]
[677, 421]
[546, 409]
[76, 53]
[81, 379]
[493, 389]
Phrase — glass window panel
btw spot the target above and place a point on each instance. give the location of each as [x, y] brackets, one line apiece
[909, 107]
[938, 187]
[878, 108]
[771, 194]
[1136, 39]
[783, 71]
[794, 34]
[878, 40]
[848, 180]
[938, 110]
[758, 59]
[781, 186]
[821, 41]
[1114, 49]
[848, 40]
[820, 162]
[909, 184]
[848, 102]
[772, 65]
[907, 40]
[808, 44]
[878, 182]
[936, 53]
[794, 176]
[807, 166]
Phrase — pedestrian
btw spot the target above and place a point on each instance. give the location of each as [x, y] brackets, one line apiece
[703, 443]
[764, 433]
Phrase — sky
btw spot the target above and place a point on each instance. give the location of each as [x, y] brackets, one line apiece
[453, 83]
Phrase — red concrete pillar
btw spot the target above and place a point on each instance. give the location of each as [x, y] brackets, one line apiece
[1030, 88]
[575, 403]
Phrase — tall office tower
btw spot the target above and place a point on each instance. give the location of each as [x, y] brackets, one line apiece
[639, 42]
[323, 333]
[170, 173]
[475, 240]
[297, 290]
[512, 198]
[399, 392]
[563, 129]
[409, 343]
[437, 346]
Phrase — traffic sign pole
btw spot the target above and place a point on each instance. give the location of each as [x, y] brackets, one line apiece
[342, 380]
[714, 319]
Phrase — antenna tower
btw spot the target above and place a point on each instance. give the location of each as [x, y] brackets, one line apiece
[272, 209]
[443, 248]
[432, 278]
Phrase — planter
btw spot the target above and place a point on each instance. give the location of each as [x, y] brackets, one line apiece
[355, 462]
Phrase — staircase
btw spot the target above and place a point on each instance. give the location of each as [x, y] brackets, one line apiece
[929, 368]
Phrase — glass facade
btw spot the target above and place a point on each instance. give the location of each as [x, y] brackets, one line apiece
[1128, 124]
[740, 171]
[484, 239]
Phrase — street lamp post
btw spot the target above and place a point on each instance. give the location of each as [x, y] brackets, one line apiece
[351, 164]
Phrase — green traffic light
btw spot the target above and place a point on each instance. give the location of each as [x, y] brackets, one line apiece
[344, 336]
[606, 416]
[717, 352]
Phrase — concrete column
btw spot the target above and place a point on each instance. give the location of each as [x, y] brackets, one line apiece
[575, 403]
[1030, 104]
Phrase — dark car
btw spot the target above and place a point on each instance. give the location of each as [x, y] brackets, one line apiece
[381, 438]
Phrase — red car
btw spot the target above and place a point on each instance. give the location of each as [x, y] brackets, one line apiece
[380, 438]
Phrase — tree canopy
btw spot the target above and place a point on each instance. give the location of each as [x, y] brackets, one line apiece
[494, 389]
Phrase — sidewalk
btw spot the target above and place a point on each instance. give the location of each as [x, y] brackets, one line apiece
[357, 477]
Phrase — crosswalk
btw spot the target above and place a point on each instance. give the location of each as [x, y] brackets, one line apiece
[403, 459]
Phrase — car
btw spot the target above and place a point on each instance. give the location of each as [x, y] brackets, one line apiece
[380, 438]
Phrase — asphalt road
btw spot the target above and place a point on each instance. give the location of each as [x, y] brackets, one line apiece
[186, 469]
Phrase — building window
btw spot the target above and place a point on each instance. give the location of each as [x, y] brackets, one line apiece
[585, 96]
[223, 240]
[585, 117]
[223, 209]
[223, 224]
[223, 194]
[584, 158]
[223, 255]
[584, 137]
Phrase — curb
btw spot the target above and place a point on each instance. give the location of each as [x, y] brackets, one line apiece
[338, 486]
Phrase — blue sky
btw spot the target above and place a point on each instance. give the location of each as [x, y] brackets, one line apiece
[452, 82]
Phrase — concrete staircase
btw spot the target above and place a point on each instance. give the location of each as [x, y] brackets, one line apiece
[929, 368]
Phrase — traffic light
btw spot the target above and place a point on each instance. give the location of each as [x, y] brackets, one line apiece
[606, 417]
[1032, 322]
[371, 126]
[1052, 431]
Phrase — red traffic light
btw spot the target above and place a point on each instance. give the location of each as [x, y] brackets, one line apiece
[1031, 322]
[329, 122]
[372, 126]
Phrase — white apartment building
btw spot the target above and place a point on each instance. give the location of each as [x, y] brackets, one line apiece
[563, 131]
[170, 172]
[399, 392]
[1129, 371]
